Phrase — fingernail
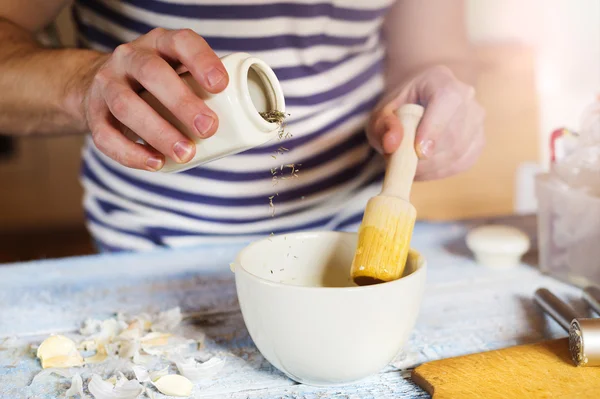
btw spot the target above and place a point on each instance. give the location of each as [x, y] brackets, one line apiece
[203, 123]
[154, 162]
[214, 76]
[426, 148]
[183, 150]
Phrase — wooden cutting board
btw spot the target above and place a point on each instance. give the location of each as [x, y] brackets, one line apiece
[542, 370]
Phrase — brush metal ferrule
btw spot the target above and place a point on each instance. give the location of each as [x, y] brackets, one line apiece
[584, 334]
[584, 342]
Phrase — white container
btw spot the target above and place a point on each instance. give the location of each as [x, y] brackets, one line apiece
[498, 246]
[310, 320]
[253, 88]
[568, 232]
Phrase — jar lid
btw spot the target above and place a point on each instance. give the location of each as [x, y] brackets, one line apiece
[498, 239]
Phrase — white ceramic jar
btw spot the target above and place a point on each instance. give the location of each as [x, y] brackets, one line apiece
[253, 88]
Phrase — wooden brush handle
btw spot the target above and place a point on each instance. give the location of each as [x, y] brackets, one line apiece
[402, 164]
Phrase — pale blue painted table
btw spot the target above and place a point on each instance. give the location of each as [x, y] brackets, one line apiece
[466, 309]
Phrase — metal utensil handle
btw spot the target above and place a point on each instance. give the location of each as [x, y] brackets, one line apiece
[592, 296]
[555, 307]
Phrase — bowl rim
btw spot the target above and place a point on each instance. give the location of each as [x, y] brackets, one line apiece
[421, 268]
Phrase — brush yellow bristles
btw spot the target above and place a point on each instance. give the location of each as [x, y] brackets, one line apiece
[386, 230]
[384, 239]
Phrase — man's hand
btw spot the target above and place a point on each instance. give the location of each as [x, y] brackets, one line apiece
[112, 106]
[450, 136]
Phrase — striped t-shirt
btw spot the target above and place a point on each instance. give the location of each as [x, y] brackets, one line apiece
[328, 56]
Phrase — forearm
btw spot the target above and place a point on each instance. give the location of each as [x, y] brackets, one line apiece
[42, 90]
[424, 34]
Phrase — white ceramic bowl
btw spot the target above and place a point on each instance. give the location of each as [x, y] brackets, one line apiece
[307, 317]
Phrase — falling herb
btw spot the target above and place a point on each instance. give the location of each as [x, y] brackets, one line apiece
[294, 172]
[276, 116]
[281, 151]
[271, 205]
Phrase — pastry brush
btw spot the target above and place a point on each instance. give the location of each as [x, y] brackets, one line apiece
[389, 218]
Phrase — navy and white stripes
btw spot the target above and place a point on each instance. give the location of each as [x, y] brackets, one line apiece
[328, 56]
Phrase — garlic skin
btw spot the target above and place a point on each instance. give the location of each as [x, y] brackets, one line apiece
[99, 357]
[122, 389]
[143, 375]
[155, 339]
[167, 320]
[195, 371]
[58, 351]
[76, 387]
[133, 331]
[121, 343]
[174, 385]
[66, 373]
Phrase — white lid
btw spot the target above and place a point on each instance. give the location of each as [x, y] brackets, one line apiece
[505, 241]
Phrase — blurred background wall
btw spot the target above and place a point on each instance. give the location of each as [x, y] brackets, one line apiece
[564, 36]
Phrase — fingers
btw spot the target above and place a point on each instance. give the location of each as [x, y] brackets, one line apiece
[129, 109]
[386, 133]
[460, 147]
[157, 76]
[110, 141]
[440, 110]
[449, 137]
[117, 115]
[196, 55]
[442, 168]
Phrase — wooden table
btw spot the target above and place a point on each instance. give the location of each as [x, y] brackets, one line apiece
[467, 308]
